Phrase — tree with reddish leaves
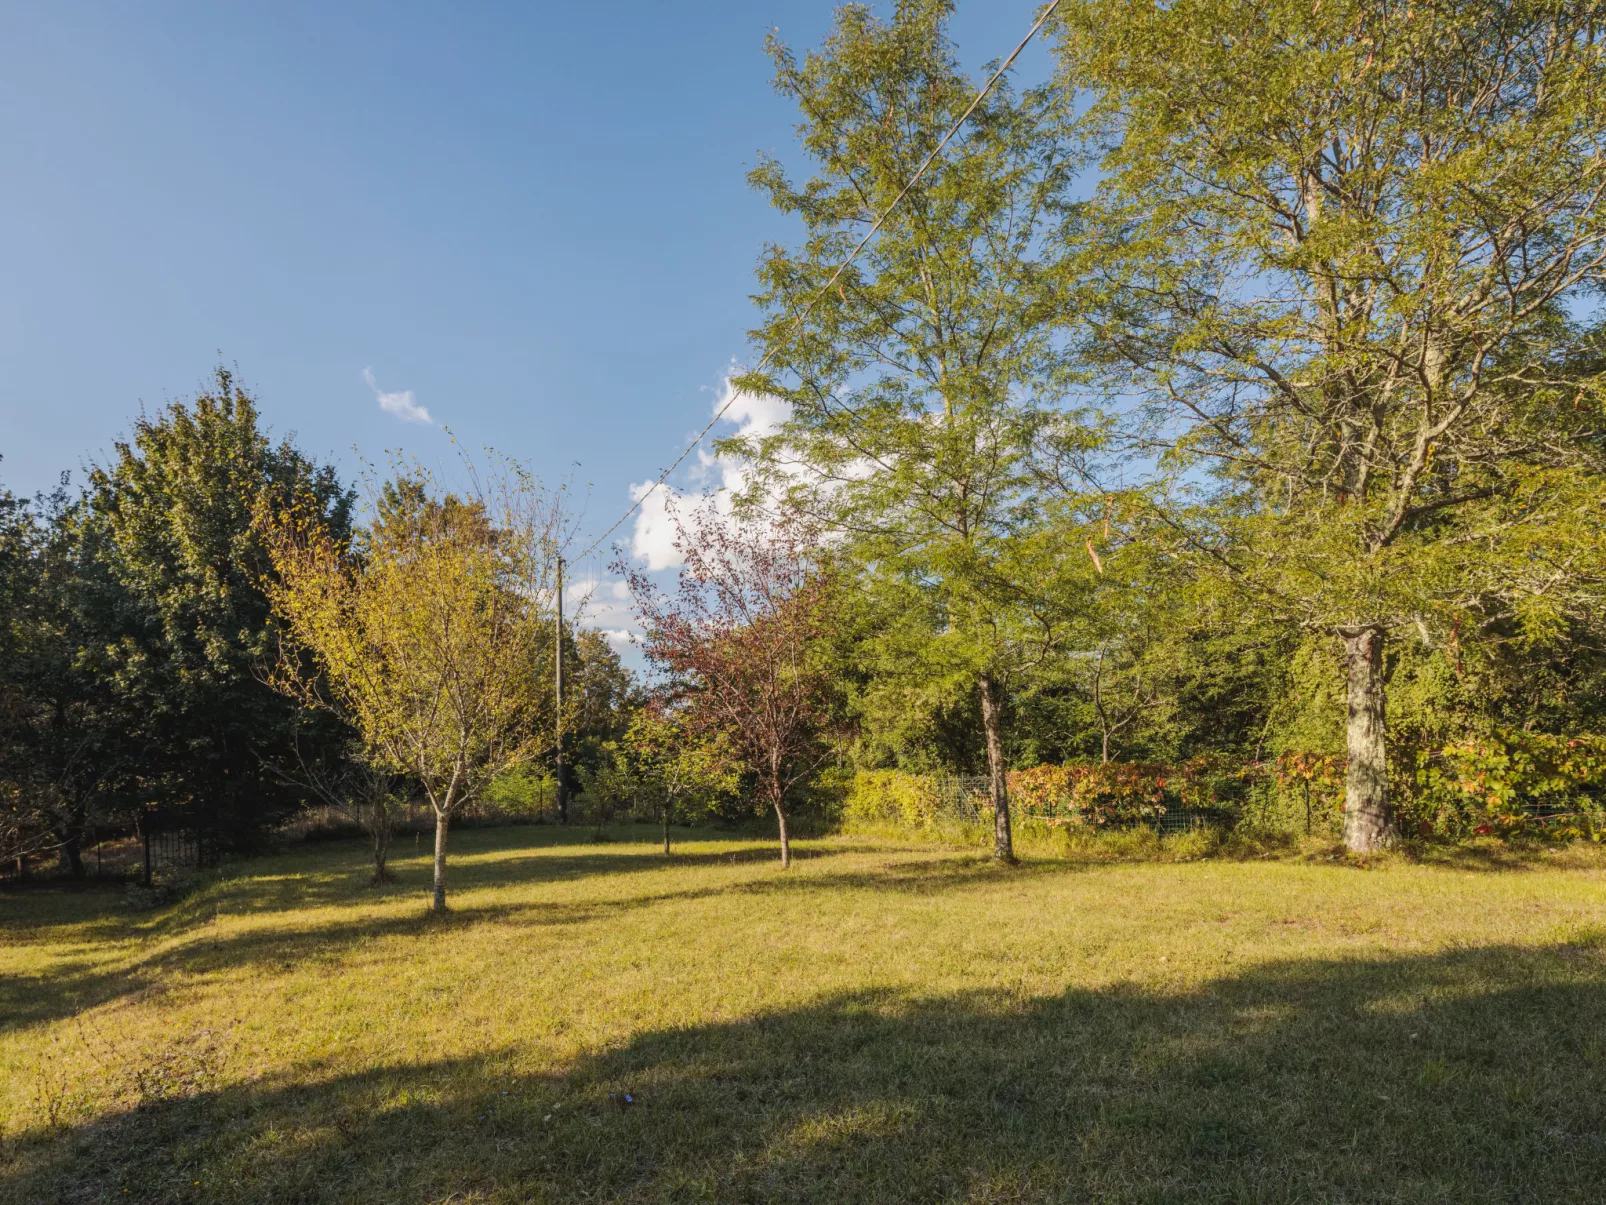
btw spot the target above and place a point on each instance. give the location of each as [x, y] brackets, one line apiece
[739, 639]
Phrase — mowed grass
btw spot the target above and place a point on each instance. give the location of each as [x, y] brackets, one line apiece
[883, 1022]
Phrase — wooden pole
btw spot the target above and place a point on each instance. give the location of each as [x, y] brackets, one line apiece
[557, 664]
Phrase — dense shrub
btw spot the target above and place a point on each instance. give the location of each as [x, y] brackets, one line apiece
[1504, 784]
[891, 796]
[1508, 784]
[522, 794]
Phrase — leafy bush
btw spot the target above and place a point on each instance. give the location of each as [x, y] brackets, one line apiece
[891, 796]
[1101, 794]
[1502, 784]
[523, 794]
[1090, 794]
[1509, 783]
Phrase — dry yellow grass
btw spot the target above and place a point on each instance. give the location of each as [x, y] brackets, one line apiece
[884, 1022]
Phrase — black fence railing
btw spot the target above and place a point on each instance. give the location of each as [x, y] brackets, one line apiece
[152, 846]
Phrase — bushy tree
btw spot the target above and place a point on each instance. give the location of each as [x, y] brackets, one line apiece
[425, 637]
[673, 767]
[603, 696]
[920, 382]
[1341, 251]
[738, 645]
[64, 754]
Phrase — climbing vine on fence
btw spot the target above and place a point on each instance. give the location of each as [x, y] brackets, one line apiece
[1502, 784]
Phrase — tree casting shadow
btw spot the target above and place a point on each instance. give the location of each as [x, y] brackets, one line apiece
[1476, 1075]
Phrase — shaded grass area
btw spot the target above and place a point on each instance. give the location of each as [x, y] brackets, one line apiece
[883, 1023]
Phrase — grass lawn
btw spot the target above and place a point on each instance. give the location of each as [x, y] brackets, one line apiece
[884, 1022]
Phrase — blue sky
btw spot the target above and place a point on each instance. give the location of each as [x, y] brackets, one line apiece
[531, 218]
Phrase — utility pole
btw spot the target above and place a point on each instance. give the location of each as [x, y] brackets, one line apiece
[557, 662]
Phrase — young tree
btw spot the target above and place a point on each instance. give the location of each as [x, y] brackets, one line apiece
[738, 640]
[361, 788]
[673, 764]
[919, 382]
[1344, 247]
[426, 635]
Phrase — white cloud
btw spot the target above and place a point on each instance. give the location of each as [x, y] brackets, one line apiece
[753, 415]
[605, 606]
[400, 404]
[599, 604]
[654, 537]
[621, 640]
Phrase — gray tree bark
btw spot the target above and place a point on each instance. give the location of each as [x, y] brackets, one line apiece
[382, 832]
[786, 841]
[992, 725]
[442, 823]
[1368, 817]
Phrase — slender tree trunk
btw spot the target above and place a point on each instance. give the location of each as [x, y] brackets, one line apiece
[72, 850]
[778, 798]
[1368, 819]
[992, 725]
[382, 832]
[442, 823]
[786, 841]
[666, 828]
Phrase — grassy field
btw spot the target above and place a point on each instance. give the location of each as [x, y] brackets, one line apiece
[884, 1022]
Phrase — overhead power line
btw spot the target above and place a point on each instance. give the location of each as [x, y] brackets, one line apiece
[835, 276]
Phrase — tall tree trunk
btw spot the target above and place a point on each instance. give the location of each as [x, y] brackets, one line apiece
[442, 823]
[1368, 819]
[666, 828]
[992, 725]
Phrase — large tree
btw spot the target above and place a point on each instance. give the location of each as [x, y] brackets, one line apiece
[142, 622]
[1343, 247]
[920, 381]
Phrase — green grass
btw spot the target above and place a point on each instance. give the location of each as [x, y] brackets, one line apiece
[884, 1022]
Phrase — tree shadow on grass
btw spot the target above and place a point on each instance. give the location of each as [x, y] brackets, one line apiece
[209, 951]
[1477, 1075]
[73, 985]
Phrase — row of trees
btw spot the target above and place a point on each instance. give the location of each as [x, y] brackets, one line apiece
[204, 637]
[1263, 334]
[1237, 391]
[133, 626]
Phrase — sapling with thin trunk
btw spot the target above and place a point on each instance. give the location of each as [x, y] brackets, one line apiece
[426, 633]
[738, 643]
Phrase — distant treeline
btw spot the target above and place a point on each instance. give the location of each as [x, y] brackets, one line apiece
[1235, 396]
[137, 643]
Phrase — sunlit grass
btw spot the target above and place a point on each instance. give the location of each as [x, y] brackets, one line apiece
[885, 1021]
